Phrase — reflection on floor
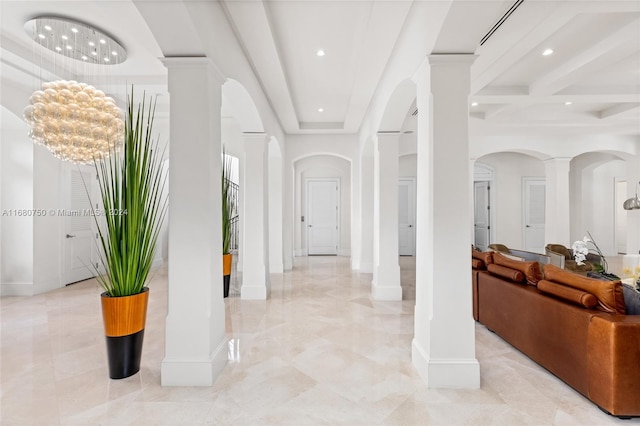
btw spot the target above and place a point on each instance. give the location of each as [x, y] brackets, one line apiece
[319, 352]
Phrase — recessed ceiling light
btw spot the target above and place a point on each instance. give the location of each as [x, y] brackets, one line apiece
[320, 52]
[547, 52]
[58, 48]
[41, 35]
[74, 30]
[320, 109]
[568, 103]
[84, 57]
[114, 53]
[94, 53]
[102, 41]
[106, 59]
[91, 43]
[64, 37]
[69, 47]
[47, 27]
[474, 104]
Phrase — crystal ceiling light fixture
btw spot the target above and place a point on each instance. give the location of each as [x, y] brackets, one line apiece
[75, 121]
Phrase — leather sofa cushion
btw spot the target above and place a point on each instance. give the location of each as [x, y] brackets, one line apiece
[506, 273]
[609, 293]
[477, 264]
[569, 294]
[531, 270]
[485, 256]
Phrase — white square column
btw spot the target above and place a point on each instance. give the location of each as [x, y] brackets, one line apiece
[366, 214]
[557, 202]
[386, 270]
[195, 342]
[443, 348]
[255, 214]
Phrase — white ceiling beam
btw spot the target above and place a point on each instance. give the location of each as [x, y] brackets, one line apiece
[618, 109]
[554, 99]
[488, 67]
[616, 46]
[251, 24]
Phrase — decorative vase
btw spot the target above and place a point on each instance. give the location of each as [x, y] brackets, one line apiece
[124, 320]
[226, 272]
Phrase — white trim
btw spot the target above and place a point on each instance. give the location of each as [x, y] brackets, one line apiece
[386, 293]
[344, 252]
[523, 215]
[17, 289]
[254, 292]
[195, 372]
[366, 267]
[445, 373]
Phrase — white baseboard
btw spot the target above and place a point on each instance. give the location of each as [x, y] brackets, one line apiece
[178, 372]
[386, 293]
[445, 373]
[366, 268]
[257, 292]
[17, 289]
[344, 252]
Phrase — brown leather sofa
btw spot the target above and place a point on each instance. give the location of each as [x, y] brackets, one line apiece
[572, 325]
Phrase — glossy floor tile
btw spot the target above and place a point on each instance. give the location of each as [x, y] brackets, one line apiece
[318, 352]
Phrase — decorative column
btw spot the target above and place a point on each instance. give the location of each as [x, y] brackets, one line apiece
[255, 239]
[366, 215]
[557, 202]
[443, 348]
[276, 189]
[386, 270]
[195, 342]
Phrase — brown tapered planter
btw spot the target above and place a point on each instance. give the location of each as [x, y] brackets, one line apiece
[124, 320]
[226, 272]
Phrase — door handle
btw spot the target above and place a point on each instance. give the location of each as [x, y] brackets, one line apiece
[309, 226]
[528, 226]
[70, 236]
[410, 226]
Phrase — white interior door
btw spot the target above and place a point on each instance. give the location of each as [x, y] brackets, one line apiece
[78, 239]
[322, 216]
[534, 212]
[481, 215]
[621, 216]
[406, 217]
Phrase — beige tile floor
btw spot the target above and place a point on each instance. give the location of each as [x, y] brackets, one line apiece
[319, 352]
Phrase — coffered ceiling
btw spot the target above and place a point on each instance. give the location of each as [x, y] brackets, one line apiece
[590, 82]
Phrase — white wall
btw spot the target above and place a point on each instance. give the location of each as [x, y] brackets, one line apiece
[408, 166]
[323, 166]
[592, 179]
[298, 147]
[509, 170]
[17, 196]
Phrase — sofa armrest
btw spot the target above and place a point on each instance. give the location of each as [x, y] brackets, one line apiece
[613, 363]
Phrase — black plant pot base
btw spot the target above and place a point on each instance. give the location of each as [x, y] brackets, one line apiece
[124, 354]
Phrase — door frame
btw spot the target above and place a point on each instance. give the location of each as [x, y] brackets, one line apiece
[485, 173]
[412, 212]
[523, 216]
[335, 180]
[94, 203]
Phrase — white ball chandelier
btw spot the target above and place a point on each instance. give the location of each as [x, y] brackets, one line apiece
[75, 121]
